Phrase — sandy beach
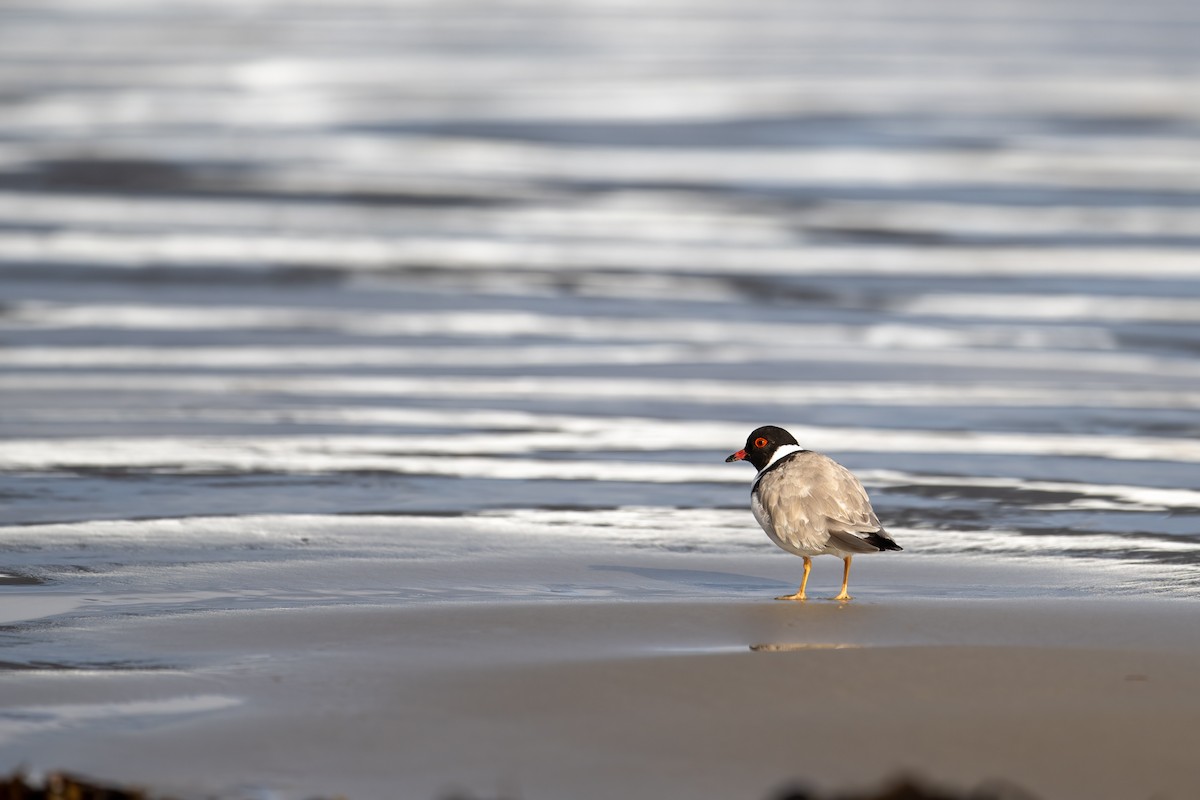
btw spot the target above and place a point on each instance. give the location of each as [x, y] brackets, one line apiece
[367, 371]
[705, 694]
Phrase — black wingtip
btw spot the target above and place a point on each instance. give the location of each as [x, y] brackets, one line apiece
[881, 541]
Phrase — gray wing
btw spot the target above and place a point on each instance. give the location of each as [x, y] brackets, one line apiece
[847, 511]
[817, 501]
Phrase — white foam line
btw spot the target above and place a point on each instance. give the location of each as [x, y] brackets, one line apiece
[577, 432]
[589, 432]
[1128, 497]
[509, 526]
[1127, 546]
[1056, 167]
[665, 218]
[804, 33]
[470, 454]
[696, 392]
[1041, 164]
[234, 359]
[251, 357]
[1054, 307]
[490, 419]
[649, 98]
[552, 431]
[278, 75]
[199, 457]
[647, 217]
[495, 324]
[915, 217]
[355, 252]
[518, 528]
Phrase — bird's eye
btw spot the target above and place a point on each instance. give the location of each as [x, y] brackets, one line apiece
[760, 442]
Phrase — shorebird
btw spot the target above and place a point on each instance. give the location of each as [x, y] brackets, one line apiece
[809, 504]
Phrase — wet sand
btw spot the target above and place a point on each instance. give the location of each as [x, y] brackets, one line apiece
[706, 698]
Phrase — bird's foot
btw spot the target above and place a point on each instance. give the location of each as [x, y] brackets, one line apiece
[796, 596]
[843, 597]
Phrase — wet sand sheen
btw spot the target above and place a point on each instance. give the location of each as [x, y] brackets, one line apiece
[699, 699]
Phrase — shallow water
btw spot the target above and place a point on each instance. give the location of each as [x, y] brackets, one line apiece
[281, 286]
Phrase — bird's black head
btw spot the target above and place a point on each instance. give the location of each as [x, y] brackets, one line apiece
[761, 444]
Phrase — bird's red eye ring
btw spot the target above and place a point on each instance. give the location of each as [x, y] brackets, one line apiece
[760, 442]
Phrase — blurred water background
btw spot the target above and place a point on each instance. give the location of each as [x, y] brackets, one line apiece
[301, 281]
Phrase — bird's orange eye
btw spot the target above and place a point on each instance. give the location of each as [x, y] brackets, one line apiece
[760, 442]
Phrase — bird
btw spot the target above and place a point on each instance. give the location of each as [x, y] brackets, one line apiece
[809, 504]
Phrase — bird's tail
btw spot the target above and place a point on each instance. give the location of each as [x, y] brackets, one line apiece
[882, 541]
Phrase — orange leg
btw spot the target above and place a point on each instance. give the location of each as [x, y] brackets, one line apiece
[800, 595]
[843, 595]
